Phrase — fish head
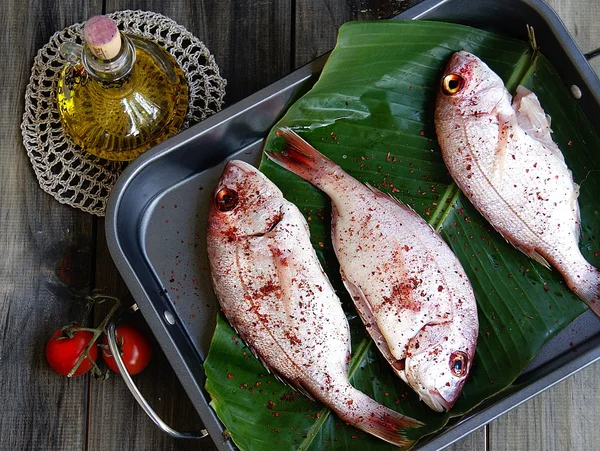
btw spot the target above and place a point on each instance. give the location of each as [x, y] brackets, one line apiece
[438, 363]
[245, 203]
[469, 87]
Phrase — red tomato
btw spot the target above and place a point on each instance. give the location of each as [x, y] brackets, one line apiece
[62, 352]
[135, 350]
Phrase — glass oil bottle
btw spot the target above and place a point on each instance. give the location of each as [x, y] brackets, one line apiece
[119, 94]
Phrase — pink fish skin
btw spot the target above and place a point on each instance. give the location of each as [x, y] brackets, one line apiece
[502, 156]
[274, 292]
[407, 285]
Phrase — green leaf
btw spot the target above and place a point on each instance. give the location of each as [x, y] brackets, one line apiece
[371, 111]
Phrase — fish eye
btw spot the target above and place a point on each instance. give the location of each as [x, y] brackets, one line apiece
[452, 84]
[226, 199]
[458, 363]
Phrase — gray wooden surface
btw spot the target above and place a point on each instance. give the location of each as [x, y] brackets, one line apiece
[52, 255]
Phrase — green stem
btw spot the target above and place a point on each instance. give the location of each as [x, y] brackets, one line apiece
[455, 196]
[84, 329]
[95, 298]
[444, 206]
[315, 428]
[525, 64]
[359, 355]
[88, 309]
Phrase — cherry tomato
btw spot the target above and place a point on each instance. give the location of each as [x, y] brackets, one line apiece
[62, 352]
[135, 350]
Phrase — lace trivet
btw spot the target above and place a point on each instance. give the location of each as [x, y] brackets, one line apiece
[63, 170]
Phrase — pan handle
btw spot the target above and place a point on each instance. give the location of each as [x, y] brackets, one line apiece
[114, 350]
[592, 54]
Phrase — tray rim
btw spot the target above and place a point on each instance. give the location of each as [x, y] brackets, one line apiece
[155, 318]
[452, 433]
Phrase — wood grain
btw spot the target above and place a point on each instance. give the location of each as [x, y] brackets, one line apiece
[251, 44]
[41, 410]
[54, 255]
[581, 19]
[560, 418]
[249, 39]
[477, 440]
[129, 427]
[317, 22]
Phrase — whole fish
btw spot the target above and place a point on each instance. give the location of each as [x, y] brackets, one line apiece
[274, 292]
[503, 158]
[408, 287]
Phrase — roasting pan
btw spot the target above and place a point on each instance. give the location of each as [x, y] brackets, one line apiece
[157, 214]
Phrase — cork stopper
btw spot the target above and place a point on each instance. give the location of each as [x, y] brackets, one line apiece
[102, 37]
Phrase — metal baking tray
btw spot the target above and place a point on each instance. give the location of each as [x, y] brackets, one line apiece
[157, 215]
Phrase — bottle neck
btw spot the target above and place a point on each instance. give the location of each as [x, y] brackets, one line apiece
[113, 70]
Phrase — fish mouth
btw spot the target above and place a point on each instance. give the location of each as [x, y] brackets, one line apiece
[437, 402]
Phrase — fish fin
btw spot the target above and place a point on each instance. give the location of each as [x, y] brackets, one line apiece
[300, 157]
[294, 386]
[381, 193]
[584, 280]
[590, 292]
[538, 258]
[366, 315]
[533, 120]
[300, 388]
[374, 189]
[364, 413]
[297, 386]
[531, 253]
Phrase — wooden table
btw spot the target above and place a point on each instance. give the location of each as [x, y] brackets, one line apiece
[53, 255]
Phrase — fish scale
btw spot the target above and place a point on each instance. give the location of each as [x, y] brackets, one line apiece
[274, 292]
[500, 153]
[407, 285]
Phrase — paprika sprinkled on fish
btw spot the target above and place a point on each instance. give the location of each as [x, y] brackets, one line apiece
[274, 292]
[500, 152]
[393, 263]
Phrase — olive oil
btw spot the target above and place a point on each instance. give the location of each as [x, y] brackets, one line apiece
[117, 108]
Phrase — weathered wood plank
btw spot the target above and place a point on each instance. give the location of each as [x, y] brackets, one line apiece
[563, 416]
[127, 426]
[41, 410]
[316, 23]
[31, 251]
[249, 39]
[476, 441]
[581, 19]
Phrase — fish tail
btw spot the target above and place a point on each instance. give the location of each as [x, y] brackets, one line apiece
[585, 283]
[363, 412]
[299, 157]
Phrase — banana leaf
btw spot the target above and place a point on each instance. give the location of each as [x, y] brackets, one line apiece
[371, 111]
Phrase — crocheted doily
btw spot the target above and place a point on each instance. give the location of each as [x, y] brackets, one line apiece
[71, 175]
